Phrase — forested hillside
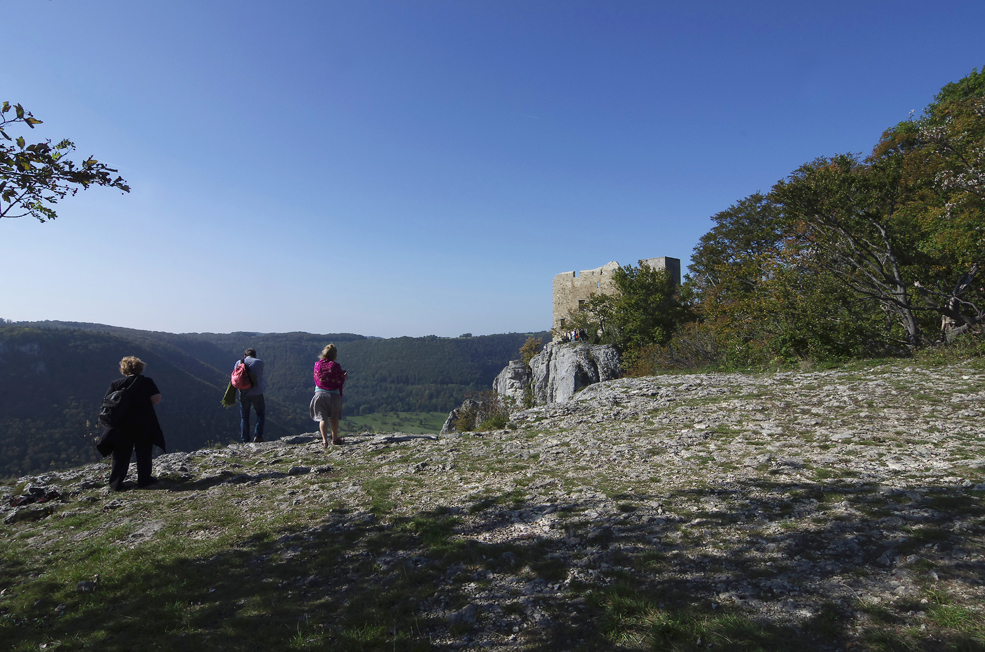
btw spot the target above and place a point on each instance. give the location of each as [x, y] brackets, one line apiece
[53, 376]
[52, 382]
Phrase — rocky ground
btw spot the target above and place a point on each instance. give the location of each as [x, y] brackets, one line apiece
[840, 507]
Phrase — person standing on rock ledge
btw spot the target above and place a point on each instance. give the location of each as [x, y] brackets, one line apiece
[139, 428]
[326, 404]
[252, 396]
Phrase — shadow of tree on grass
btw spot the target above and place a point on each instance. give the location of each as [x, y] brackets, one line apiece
[761, 565]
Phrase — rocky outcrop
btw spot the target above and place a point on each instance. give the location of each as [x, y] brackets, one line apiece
[512, 382]
[560, 370]
[468, 406]
[823, 507]
[555, 374]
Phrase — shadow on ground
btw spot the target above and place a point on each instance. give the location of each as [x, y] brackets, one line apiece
[799, 567]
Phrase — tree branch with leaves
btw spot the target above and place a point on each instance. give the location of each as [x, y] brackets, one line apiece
[35, 176]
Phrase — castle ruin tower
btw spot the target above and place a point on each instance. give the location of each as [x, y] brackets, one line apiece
[572, 289]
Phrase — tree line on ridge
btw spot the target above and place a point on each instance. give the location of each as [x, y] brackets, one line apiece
[53, 376]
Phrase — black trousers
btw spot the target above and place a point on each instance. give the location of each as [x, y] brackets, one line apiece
[121, 464]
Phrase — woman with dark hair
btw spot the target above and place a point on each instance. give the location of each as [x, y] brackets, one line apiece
[138, 428]
[326, 404]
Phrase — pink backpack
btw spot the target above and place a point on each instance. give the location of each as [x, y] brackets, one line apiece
[240, 378]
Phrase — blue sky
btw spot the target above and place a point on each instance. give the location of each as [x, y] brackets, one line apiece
[427, 167]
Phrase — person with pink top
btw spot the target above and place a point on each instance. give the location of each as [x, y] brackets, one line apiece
[326, 404]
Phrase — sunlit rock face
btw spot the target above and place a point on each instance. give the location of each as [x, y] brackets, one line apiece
[512, 382]
[560, 370]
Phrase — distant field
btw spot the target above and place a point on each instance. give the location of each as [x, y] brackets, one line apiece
[417, 423]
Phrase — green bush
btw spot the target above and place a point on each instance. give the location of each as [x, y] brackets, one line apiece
[482, 411]
[530, 348]
[693, 347]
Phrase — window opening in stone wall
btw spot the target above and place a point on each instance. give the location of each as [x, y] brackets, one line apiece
[581, 305]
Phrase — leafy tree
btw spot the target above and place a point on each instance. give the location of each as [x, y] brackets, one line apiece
[738, 274]
[33, 177]
[952, 212]
[850, 256]
[729, 260]
[904, 228]
[851, 214]
[530, 348]
[645, 311]
[968, 87]
[774, 303]
[593, 317]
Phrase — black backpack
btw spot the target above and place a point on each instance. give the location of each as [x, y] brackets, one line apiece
[116, 405]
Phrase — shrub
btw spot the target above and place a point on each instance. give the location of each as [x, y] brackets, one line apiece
[693, 347]
[482, 411]
[530, 348]
[966, 345]
[495, 422]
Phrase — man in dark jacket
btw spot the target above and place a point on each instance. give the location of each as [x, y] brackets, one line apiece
[252, 396]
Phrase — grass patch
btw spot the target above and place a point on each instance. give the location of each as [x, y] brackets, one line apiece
[944, 613]
[418, 423]
[639, 621]
[824, 474]
[379, 491]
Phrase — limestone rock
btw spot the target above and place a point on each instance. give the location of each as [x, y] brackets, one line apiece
[513, 381]
[453, 416]
[735, 481]
[560, 370]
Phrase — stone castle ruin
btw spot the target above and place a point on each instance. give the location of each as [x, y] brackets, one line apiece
[571, 289]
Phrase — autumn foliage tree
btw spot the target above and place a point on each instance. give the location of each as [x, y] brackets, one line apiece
[852, 256]
[905, 228]
[761, 296]
[530, 348]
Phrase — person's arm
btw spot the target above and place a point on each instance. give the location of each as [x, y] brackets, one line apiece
[151, 388]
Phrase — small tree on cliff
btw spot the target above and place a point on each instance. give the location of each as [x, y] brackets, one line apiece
[34, 176]
[530, 348]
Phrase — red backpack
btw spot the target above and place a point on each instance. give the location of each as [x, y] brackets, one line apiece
[240, 377]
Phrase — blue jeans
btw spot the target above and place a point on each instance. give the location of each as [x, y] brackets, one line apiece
[244, 417]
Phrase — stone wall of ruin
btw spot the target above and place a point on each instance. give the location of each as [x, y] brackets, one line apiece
[572, 289]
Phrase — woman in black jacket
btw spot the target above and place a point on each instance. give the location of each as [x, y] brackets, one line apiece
[138, 430]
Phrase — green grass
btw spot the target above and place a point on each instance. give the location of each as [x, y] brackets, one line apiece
[641, 621]
[418, 423]
[948, 615]
[379, 489]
